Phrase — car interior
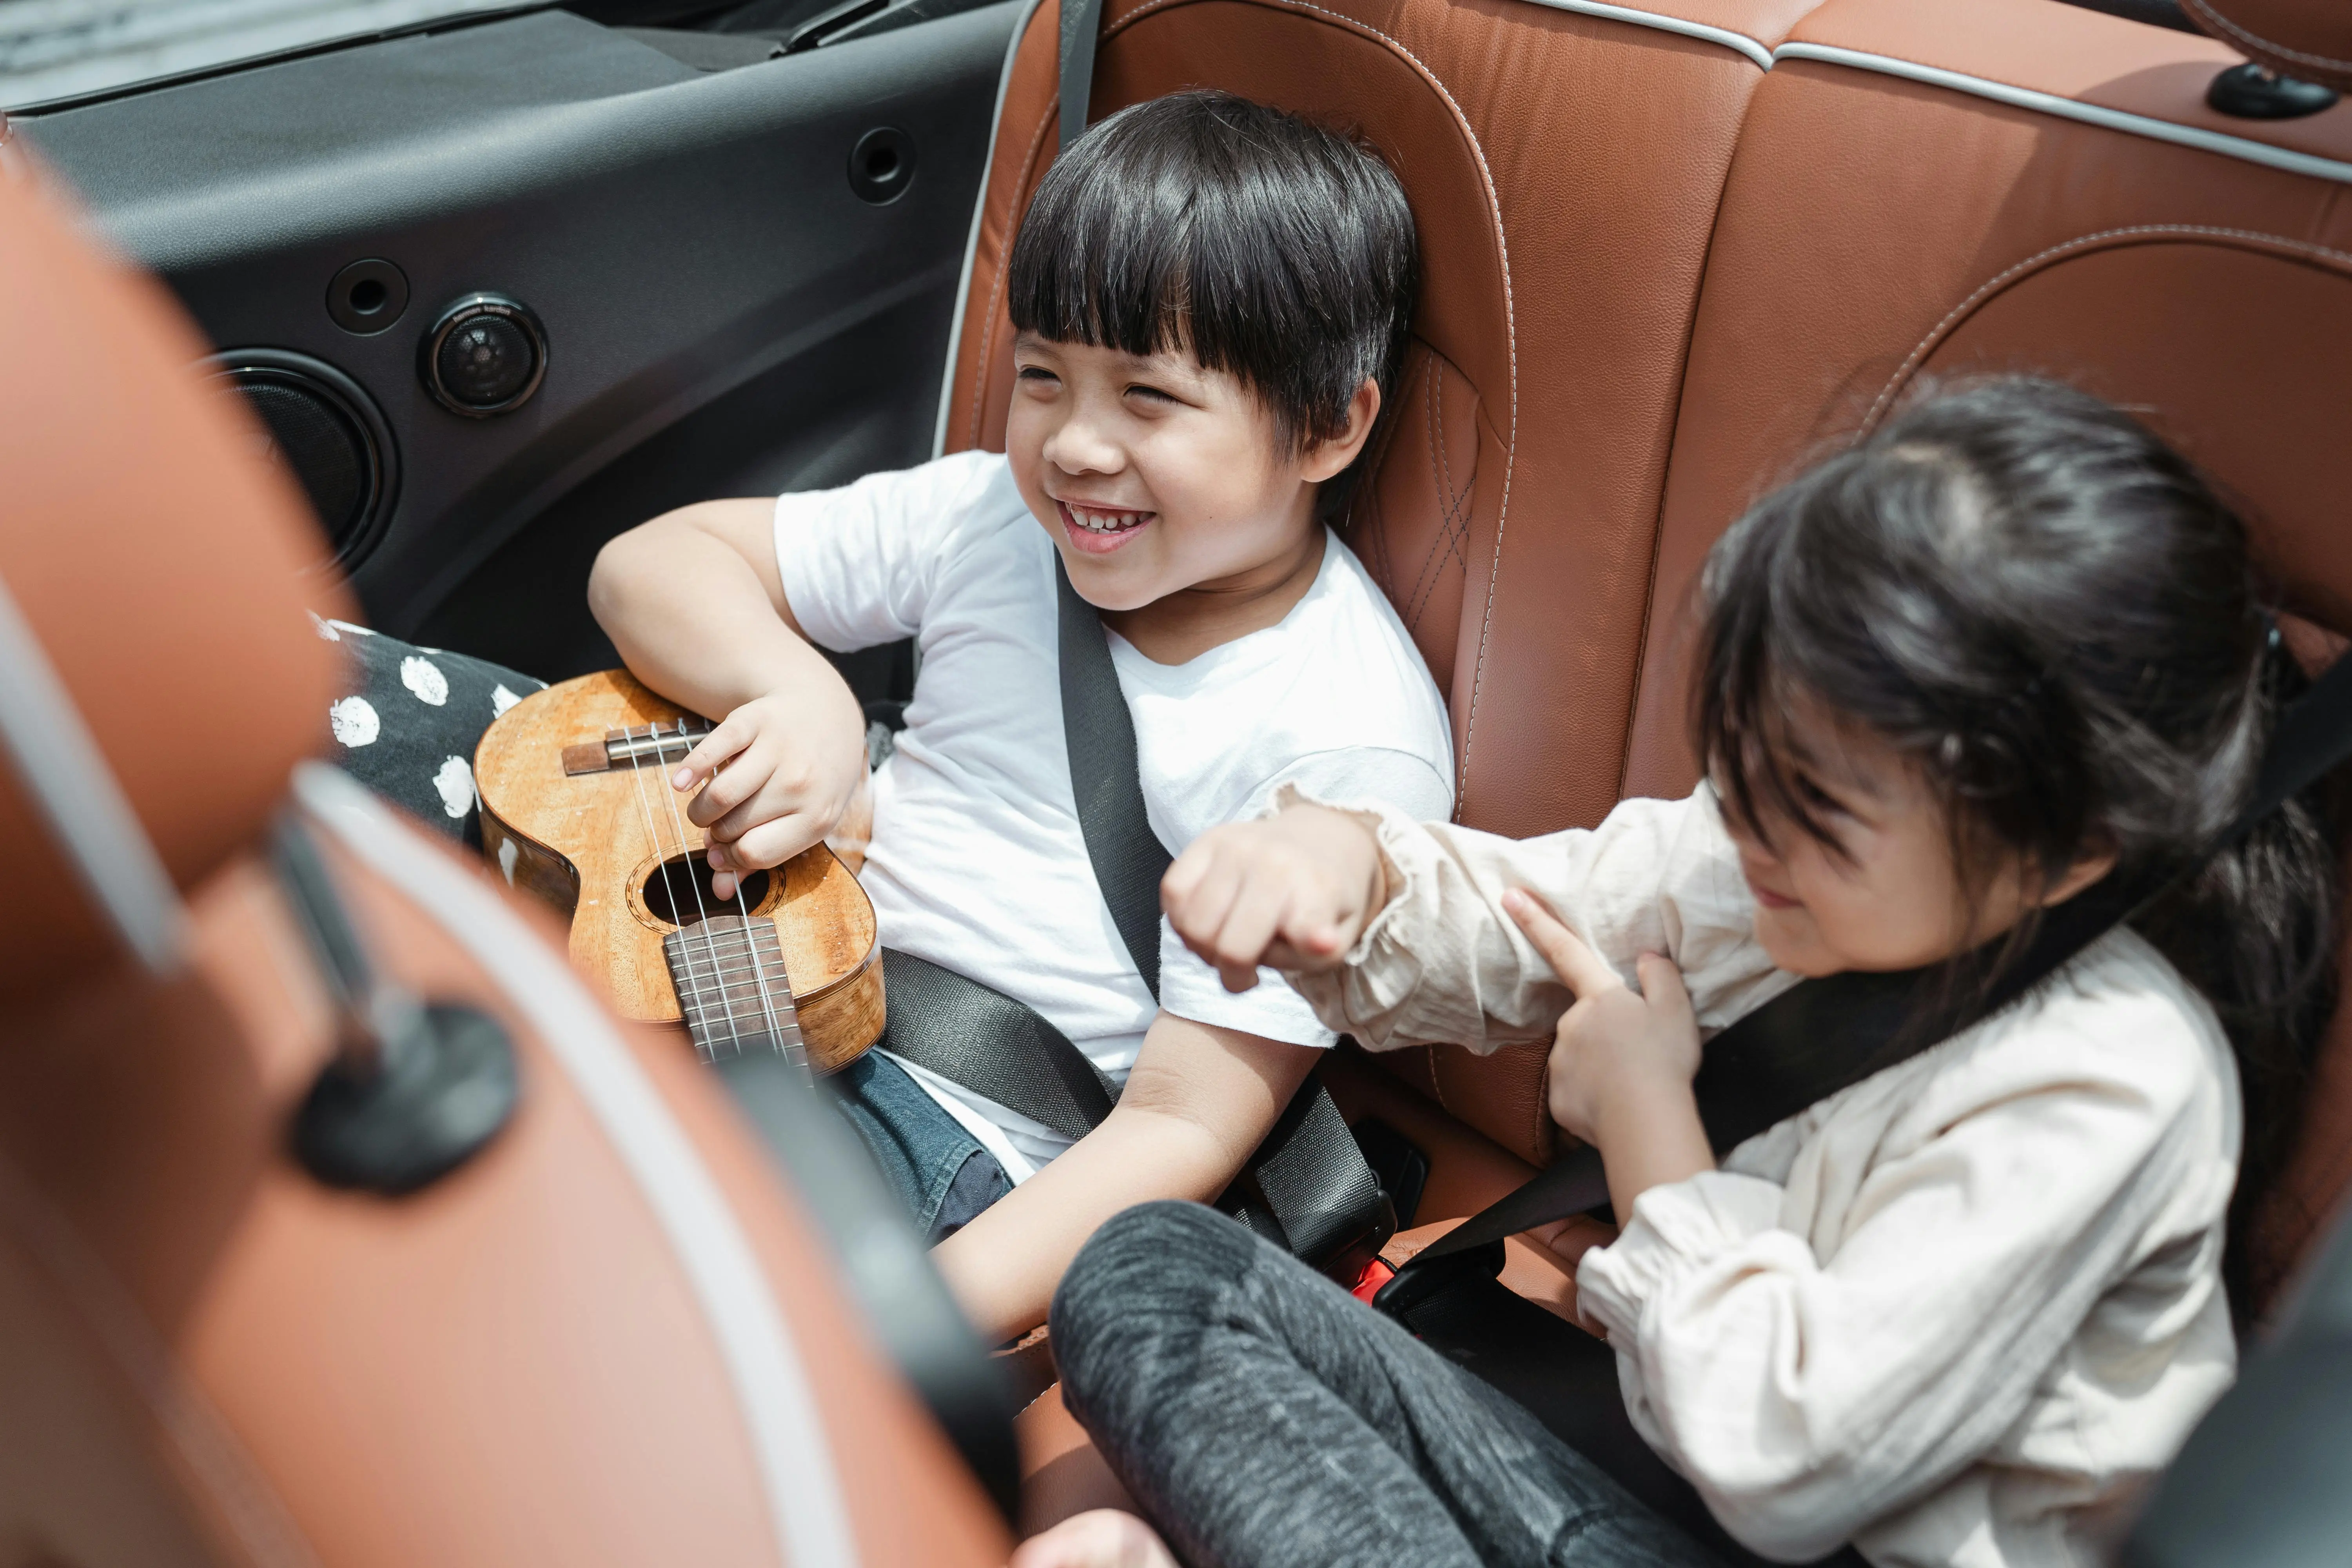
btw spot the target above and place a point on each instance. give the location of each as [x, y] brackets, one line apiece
[1671, 249]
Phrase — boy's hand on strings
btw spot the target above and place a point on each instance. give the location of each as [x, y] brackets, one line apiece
[775, 777]
[1622, 1058]
[1293, 891]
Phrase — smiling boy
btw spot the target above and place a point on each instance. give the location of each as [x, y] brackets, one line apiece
[1211, 299]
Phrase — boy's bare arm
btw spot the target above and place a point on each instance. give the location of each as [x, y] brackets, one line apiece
[1196, 1107]
[695, 604]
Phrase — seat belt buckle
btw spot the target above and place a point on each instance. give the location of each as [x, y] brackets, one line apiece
[1423, 1279]
[1368, 1284]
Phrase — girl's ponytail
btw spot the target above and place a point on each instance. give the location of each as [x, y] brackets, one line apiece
[2256, 930]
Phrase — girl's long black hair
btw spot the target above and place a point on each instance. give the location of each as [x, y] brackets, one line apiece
[2050, 614]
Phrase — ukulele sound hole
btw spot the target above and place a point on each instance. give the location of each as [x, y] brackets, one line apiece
[679, 892]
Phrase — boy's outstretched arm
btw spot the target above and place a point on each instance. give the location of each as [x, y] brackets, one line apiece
[1198, 1104]
[694, 601]
[1293, 891]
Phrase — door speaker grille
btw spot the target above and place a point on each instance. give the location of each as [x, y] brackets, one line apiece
[326, 435]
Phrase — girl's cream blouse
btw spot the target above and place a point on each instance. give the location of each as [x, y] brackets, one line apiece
[1957, 1314]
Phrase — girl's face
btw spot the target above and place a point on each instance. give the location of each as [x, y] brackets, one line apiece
[1155, 475]
[1893, 899]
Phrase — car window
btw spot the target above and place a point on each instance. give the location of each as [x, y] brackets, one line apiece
[63, 50]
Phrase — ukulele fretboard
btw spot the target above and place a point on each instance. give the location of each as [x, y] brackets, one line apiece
[731, 985]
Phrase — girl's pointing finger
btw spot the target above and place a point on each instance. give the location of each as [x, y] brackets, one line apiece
[1566, 952]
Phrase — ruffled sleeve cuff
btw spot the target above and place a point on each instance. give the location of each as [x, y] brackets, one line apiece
[1384, 967]
[1676, 1229]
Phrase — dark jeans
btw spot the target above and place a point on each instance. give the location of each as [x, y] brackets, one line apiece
[1263, 1415]
[405, 724]
[938, 1170]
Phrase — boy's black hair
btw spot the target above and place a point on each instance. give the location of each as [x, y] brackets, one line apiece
[2053, 617]
[1267, 246]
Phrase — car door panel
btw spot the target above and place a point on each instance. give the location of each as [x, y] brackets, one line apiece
[722, 310]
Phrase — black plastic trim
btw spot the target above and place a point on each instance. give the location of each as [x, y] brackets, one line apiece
[882, 165]
[346, 295]
[279, 57]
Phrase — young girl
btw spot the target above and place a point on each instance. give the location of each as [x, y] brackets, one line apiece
[1958, 1313]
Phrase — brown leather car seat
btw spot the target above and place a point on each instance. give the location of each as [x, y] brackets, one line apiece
[1912, 191]
[610, 1337]
[1563, 160]
[1934, 190]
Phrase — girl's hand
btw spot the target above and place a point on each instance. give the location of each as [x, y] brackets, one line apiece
[1621, 1057]
[777, 774]
[1104, 1538]
[1294, 891]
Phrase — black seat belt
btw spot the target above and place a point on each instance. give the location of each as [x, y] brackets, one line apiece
[1812, 1041]
[1308, 1187]
[1081, 24]
[1822, 1035]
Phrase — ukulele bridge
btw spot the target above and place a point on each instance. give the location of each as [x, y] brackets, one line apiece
[632, 748]
[732, 988]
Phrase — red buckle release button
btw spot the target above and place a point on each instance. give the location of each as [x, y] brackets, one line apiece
[1368, 1284]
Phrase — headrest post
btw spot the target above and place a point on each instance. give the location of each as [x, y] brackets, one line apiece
[373, 1016]
[73, 788]
[419, 1087]
[2304, 50]
[2254, 91]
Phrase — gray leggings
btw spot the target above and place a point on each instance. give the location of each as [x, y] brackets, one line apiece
[1263, 1416]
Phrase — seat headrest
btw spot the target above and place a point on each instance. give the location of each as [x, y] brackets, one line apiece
[157, 562]
[2310, 40]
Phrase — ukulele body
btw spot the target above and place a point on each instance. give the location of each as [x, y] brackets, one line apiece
[595, 846]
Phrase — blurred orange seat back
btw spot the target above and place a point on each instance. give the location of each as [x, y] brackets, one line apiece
[611, 1337]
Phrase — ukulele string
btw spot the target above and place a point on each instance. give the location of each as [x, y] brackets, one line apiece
[661, 860]
[759, 960]
[701, 915]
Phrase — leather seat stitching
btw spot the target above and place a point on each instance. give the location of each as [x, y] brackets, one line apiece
[1541, 1111]
[2079, 245]
[1441, 543]
[1455, 504]
[1510, 326]
[1375, 533]
[1433, 568]
[2205, 13]
[996, 284]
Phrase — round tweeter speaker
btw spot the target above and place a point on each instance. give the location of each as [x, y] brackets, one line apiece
[485, 354]
[324, 432]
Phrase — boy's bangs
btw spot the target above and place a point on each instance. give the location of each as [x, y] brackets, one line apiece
[1121, 278]
[1265, 246]
[1158, 260]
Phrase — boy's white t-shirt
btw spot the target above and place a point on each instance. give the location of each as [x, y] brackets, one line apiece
[978, 863]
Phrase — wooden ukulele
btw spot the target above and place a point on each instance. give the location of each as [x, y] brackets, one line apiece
[577, 808]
